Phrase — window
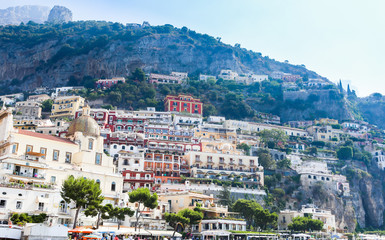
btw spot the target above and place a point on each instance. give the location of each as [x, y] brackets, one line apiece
[44, 152]
[98, 159]
[113, 186]
[15, 147]
[53, 179]
[41, 206]
[98, 181]
[29, 148]
[91, 144]
[19, 204]
[63, 206]
[3, 203]
[55, 155]
[68, 157]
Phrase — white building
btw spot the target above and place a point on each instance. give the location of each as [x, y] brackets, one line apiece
[184, 119]
[62, 90]
[203, 77]
[285, 217]
[379, 158]
[36, 165]
[216, 119]
[251, 127]
[227, 74]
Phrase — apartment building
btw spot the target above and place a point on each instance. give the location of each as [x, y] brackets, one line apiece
[28, 109]
[66, 107]
[30, 160]
[225, 166]
[183, 103]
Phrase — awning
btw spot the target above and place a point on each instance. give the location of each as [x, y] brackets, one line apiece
[215, 233]
[132, 231]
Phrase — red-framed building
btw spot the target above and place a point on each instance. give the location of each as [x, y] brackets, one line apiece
[183, 103]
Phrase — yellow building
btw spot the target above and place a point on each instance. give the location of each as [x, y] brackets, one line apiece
[216, 132]
[25, 124]
[66, 106]
[326, 121]
[33, 157]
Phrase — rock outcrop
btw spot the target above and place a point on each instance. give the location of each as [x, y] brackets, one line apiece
[59, 14]
[19, 14]
[97, 49]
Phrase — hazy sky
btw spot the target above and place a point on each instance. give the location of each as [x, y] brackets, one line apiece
[339, 39]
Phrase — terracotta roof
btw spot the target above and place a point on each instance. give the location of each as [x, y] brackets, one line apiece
[45, 136]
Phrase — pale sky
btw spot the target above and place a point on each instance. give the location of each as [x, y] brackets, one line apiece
[339, 39]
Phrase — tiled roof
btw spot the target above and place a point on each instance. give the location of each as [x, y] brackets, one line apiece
[44, 136]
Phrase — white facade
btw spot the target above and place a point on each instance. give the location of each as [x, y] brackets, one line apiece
[251, 127]
[216, 119]
[187, 119]
[203, 77]
[227, 74]
[379, 158]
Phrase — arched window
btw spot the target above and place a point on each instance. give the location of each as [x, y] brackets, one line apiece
[98, 181]
[113, 186]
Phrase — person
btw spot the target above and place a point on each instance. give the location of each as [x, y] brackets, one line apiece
[116, 238]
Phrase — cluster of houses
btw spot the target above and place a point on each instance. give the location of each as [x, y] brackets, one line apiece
[172, 152]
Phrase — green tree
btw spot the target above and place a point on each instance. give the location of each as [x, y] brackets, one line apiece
[345, 153]
[209, 110]
[138, 75]
[175, 220]
[96, 209]
[194, 216]
[245, 148]
[81, 192]
[246, 208]
[273, 137]
[263, 218]
[265, 159]
[119, 213]
[23, 218]
[225, 197]
[283, 164]
[145, 199]
[46, 105]
[302, 224]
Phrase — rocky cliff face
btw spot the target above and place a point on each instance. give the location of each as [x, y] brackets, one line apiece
[103, 51]
[363, 208]
[17, 15]
[59, 14]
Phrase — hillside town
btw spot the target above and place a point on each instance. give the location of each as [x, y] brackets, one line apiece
[211, 164]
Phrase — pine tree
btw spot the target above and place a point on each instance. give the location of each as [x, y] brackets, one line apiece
[340, 87]
[348, 90]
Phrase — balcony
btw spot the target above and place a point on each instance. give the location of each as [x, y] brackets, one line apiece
[222, 162]
[241, 164]
[232, 163]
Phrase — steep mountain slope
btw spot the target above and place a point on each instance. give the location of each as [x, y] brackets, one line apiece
[49, 55]
[17, 15]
